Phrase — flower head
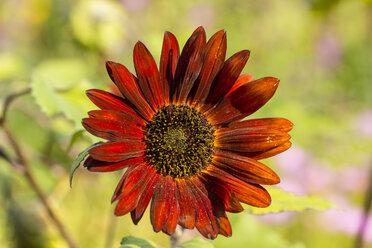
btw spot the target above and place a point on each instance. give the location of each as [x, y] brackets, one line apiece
[179, 133]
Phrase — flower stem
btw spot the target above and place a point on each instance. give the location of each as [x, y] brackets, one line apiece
[27, 171]
[175, 238]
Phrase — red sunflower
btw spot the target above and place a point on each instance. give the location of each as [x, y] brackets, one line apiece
[179, 133]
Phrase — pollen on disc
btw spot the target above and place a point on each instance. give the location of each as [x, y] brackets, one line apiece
[179, 141]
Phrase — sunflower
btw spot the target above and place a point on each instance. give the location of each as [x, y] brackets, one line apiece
[179, 132]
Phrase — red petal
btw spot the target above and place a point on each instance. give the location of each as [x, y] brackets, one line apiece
[168, 63]
[146, 197]
[130, 193]
[112, 130]
[134, 177]
[220, 192]
[213, 62]
[248, 193]
[205, 222]
[100, 166]
[161, 203]
[189, 64]
[108, 101]
[148, 75]
[112, 115]
[186, 202]
[117, 151]
[244, 101]
[171, 224]
[245, 140]
[242, 79]
[127, 84]
[227, 77]
[267, 123]
[224, 226]
[246, 169]
[267, 153]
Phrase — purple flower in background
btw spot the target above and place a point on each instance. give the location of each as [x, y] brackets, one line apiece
[328, 51]
[363, 124]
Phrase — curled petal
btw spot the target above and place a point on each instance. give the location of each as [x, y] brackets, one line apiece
[244, 101]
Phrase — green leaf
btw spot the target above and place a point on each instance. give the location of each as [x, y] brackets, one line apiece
[134, 242]
[287, 201]
[79, 159]
[195, 243]
[77, 135]
[59, 86]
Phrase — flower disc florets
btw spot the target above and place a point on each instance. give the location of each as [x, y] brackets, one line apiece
[179, 141]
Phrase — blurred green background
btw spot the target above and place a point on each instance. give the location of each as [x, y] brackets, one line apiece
[320, 50]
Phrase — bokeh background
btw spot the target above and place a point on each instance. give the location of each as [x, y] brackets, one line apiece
[320, 50]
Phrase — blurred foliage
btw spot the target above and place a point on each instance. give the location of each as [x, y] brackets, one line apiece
[286, 201]
[321, 51]
[133, 242]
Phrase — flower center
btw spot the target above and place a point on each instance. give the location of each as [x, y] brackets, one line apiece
[179, 141]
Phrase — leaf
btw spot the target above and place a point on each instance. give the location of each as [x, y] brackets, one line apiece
[79, 159]
[252, 233]
[287, 201]
[59, 86]
[77, 135]
[134, 242]
[195, 243]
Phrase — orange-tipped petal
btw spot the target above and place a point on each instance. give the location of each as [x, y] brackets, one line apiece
[244, 101]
